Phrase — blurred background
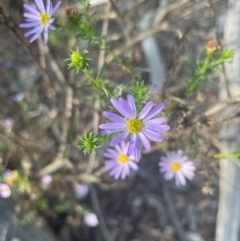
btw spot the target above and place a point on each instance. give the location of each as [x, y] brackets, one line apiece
[43, 112]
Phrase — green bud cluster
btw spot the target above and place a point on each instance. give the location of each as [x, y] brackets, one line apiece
[78, 61]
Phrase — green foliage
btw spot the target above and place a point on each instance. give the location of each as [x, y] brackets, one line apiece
[78, 61]
[3, 147]
[42, 205]
[201, 68]
[62, 207]
[89, 143]
[140, 94]
[235, 154]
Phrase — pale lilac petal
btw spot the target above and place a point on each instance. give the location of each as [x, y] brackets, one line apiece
[155, 127]
[116, 140]
[180, 178]
[132, 105]
[114, 117]
[133, 165]
[118, 148]
[45, 36]
[152, 135]
[145, 110]
[188, 174]
[154, 111]
[124, 147]
[118, 173]
[56, 8]
[113, 126]
[144, 141]
[31, 9]
[169, 175]
[179, 152]
[40, 5]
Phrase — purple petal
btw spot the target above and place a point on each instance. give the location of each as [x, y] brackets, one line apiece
[111, 126]
[129, 112]
[32, 16]
[137, 155]
[117, 139]
[31, 9]
[29, 25]
[118, 106]
[145, 142]
[156, 121]
[114, 117]
[152, 135]
[132, 105]
[154, 111]
[56, 8]
[40, 5]
[132, 144]
[37, 29]
[35, 36]
[145, 110]
[108, 132]
[51, 27]
[48, 6]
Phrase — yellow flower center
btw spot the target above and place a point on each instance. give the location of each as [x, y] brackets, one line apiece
[123, 159]
[134, 126]
[175, 166]
[44, 18]
[76, 57]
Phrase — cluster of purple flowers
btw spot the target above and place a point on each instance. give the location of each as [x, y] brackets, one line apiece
[141, 128]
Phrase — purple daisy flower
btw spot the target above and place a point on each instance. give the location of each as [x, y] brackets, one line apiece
[5, 191]
[141, 127]
[91, 220]
[7, 173]
[175, 164]
[18, 97]
[40, 19]
[81, 190]
[120, 163]
[7, 122]
[46, 180]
